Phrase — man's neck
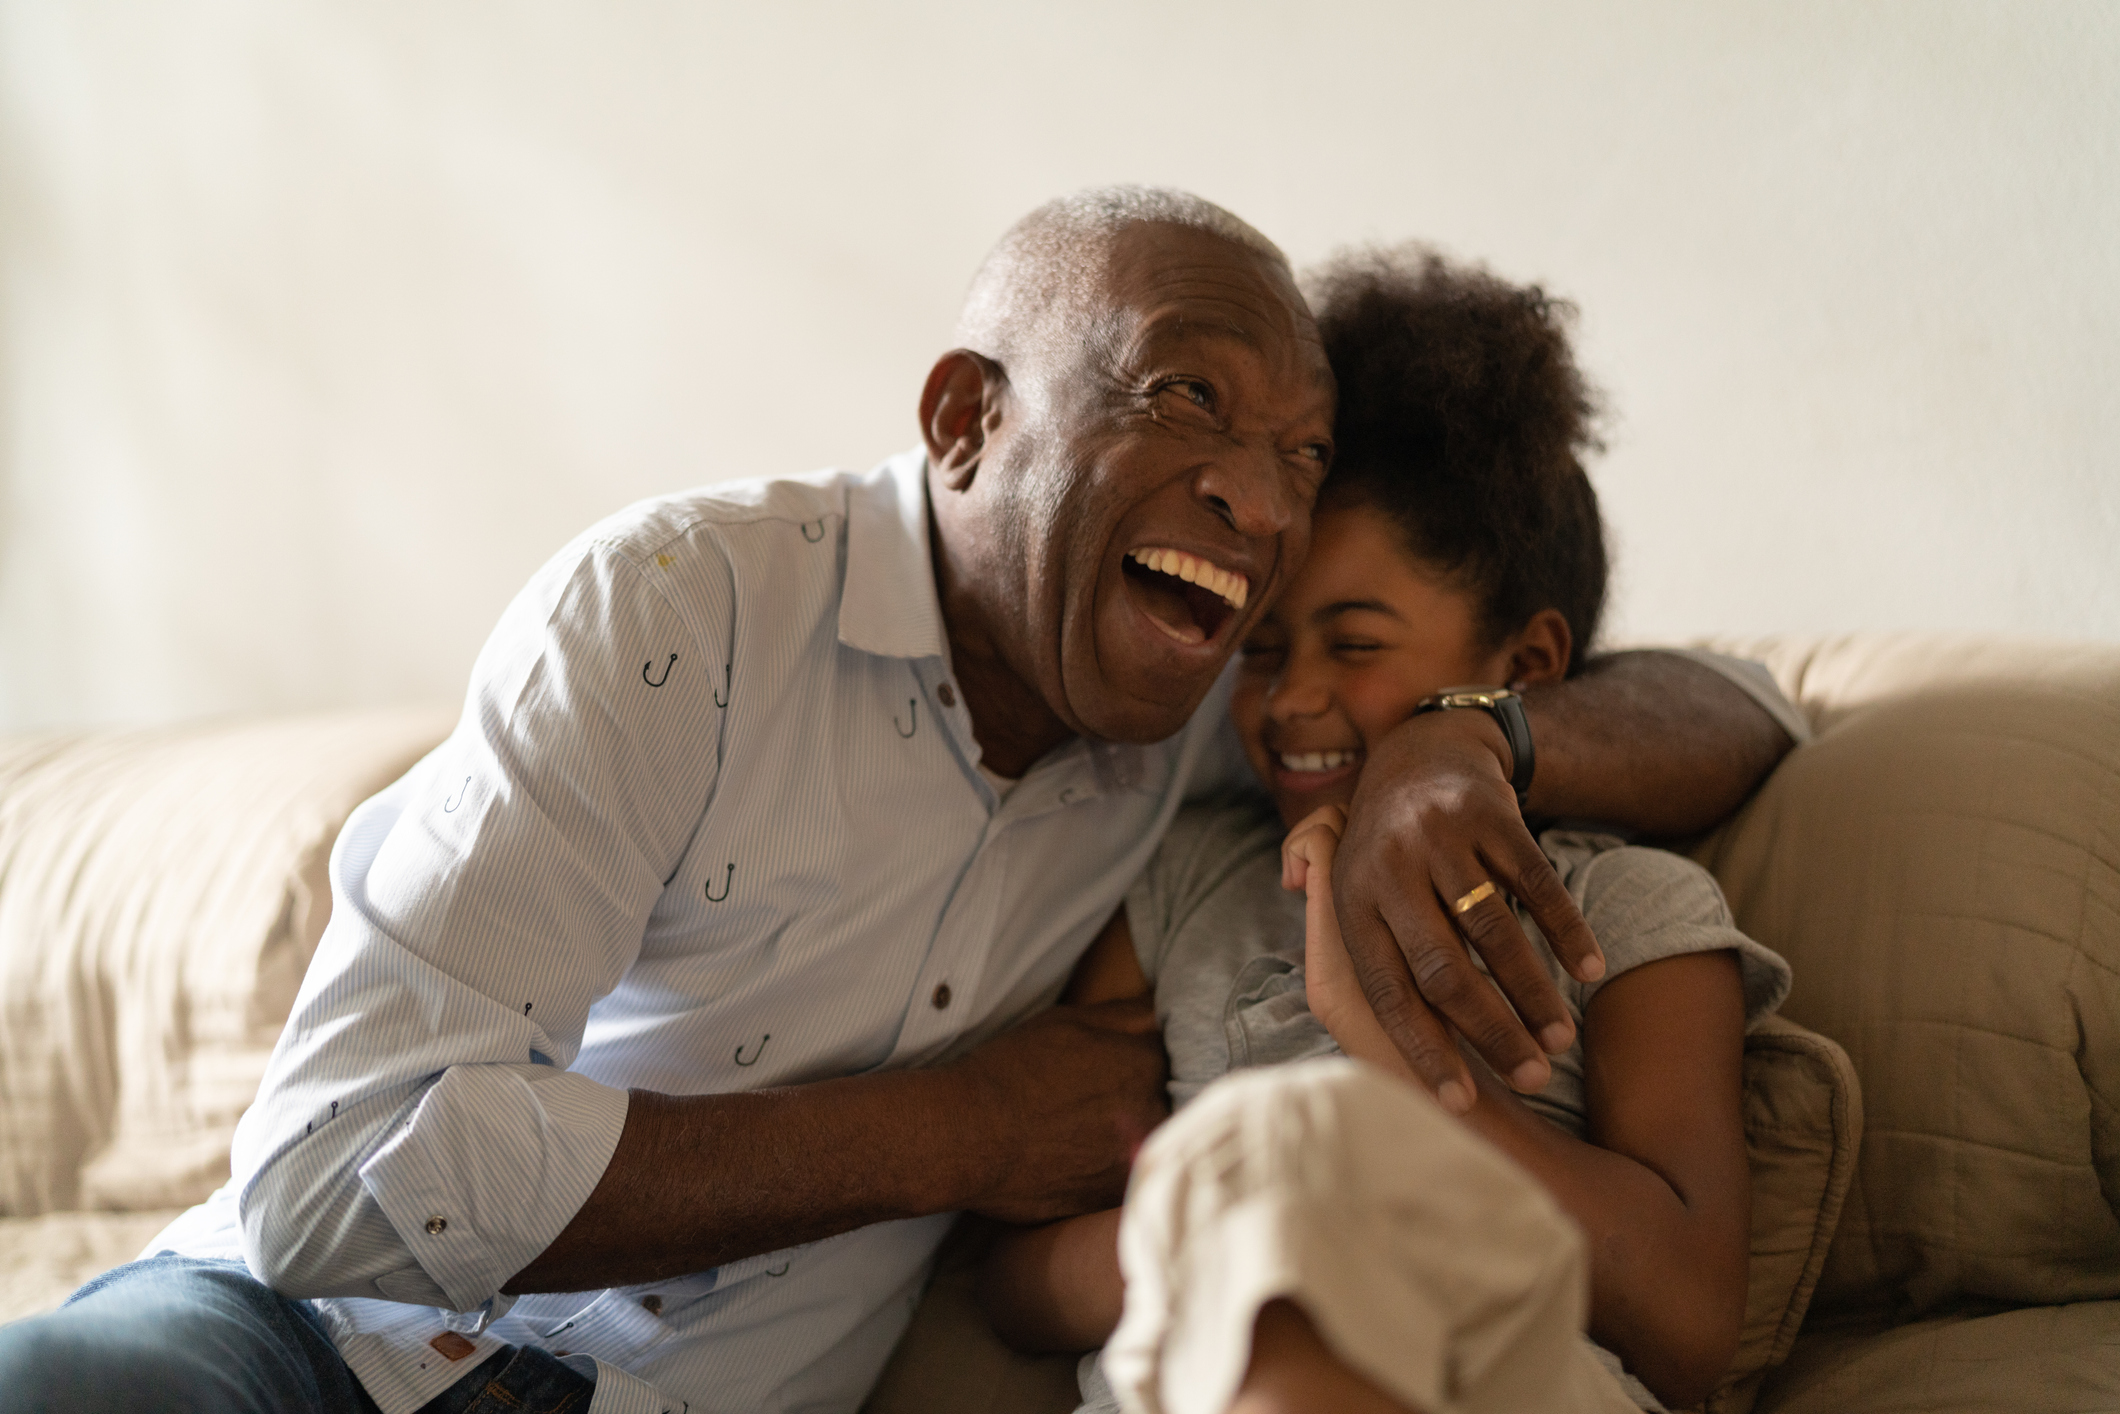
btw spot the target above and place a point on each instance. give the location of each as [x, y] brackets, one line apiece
[1011, 720]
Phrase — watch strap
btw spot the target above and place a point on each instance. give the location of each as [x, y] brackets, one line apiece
[1507, 709]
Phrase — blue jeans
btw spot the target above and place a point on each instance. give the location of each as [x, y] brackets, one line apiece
[184, 1335]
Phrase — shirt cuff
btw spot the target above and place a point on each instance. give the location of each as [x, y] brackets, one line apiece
[622, 1392]
[492, 1166]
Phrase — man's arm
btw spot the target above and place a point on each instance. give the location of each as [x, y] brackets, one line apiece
[1656, 742]
[1653, 741]
[420, 1133]
[1039, 1123]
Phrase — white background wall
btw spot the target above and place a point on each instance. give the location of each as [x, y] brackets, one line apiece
[322, 324]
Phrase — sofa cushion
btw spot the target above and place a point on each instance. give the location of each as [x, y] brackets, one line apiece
[2037, 1360]
[160, 894]
[43, 1260]
[1941, 866]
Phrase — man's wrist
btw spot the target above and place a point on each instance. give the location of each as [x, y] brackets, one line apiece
[965, 1119]
[1505, 709]
[1475, 728]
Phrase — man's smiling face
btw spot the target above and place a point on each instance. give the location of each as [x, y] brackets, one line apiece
[1148, 480]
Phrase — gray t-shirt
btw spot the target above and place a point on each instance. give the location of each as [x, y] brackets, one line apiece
[1222, 943]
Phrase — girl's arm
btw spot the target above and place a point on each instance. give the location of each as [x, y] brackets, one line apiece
[1057, 1287]
[1664, 1192]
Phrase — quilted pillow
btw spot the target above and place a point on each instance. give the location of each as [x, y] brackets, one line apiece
[161, 892]
[1942, 868]
[1803, 1126]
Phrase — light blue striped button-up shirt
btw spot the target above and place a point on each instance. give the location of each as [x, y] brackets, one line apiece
[712, 821]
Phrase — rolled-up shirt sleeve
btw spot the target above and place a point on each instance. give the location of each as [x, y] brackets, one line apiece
[419, 1135]
[1755, 682]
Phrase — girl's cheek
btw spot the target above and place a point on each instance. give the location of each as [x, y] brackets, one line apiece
[1377, 701]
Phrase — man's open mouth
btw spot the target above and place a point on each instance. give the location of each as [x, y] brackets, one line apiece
[1187, 597]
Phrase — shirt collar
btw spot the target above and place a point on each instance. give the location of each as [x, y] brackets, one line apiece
[889, 606]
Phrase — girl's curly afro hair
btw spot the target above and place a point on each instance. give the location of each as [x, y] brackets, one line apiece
[1465, 420]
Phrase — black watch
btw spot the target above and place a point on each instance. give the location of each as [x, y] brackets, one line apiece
[1507, 709]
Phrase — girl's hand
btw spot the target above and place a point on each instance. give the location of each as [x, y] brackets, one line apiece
[1329, 981]
[1313, 839]
[1306, 864]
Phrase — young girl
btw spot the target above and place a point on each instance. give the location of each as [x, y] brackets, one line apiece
[1457, 543]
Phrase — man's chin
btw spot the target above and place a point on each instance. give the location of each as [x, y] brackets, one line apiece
[1110, 713]
[1137, 688]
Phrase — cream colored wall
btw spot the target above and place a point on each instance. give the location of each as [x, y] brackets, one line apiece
[321, 325]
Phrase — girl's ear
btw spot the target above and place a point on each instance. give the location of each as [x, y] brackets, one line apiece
[1539, 651]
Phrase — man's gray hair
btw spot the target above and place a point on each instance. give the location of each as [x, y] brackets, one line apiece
[1045, 266]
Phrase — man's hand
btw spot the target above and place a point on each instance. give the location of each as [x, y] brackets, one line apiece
[1432, 821]
[1651, 741]
[1070, 1095]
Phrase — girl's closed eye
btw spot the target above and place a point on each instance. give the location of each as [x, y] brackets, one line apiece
[1364, 631]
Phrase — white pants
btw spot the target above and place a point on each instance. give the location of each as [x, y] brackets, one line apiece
[1427, 1260]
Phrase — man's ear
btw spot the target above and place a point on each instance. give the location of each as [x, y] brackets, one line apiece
[960, 406]
[1539, 651]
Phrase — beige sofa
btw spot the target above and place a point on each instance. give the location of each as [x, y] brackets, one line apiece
[1942, 866]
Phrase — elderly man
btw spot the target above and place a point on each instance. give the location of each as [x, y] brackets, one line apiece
[671, 1008]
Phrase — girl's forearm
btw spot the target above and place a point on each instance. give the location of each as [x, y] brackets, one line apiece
[1649, 1291]
[1056, 1287]
[1653, 1301]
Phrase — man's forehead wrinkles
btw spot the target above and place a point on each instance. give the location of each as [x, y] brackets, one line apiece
[1249, 302]
[1181, 321]
[1173, 325]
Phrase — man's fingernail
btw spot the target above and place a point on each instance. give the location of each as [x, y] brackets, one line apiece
[1591, 968]
[1531, 1077]
[1557, 1038]
[1454, 1097]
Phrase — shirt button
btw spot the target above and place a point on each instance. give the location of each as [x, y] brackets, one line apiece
[652, 1305]
[437, 1225]
[948, 695]
[942, 995]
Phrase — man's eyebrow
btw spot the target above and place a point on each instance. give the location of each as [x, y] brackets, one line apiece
[1350, 606]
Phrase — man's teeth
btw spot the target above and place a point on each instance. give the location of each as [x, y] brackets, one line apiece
[1233, 588]
[1316, 760]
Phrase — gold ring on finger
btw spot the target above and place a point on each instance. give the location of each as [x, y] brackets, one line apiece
[1474, 897]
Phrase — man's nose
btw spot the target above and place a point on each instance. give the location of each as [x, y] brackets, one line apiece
[1246, 488]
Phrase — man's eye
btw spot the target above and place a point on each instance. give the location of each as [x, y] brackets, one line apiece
[1199, 394]
[1319, 452]
[1356, 645]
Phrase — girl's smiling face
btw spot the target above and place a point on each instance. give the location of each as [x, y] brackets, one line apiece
[1359, 637]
